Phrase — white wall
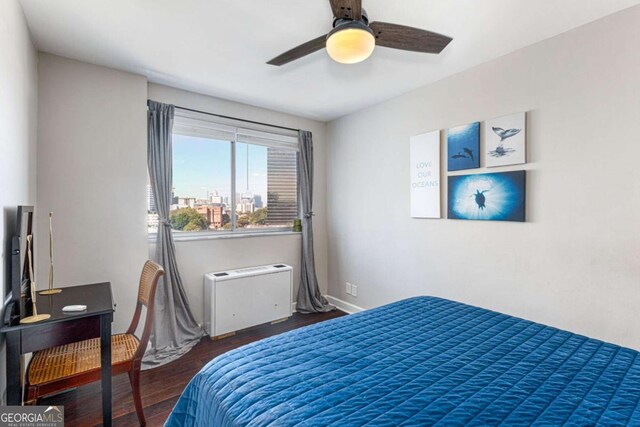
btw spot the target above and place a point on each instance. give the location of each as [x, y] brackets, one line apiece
[18, 130]
[93, 174]
[575, 263]
[92, 162]
[195, 258]
[198, 257]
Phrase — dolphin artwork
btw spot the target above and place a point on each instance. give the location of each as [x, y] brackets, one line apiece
[504, 134]
[469, 152]
[459, 156]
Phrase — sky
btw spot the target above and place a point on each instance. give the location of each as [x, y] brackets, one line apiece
[201, 165]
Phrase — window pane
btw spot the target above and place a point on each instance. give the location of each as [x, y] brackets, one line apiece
[201, 184]
[266, 189]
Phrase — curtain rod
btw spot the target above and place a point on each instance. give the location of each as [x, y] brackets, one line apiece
[236, 118]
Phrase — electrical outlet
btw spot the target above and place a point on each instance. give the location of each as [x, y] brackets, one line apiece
[349, 286]
[354, 290]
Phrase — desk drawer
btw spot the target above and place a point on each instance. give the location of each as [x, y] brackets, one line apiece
[34, 339]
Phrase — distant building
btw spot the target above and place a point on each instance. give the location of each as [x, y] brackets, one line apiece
[153, 220]
[186, 202]
[245, 207]
[244, 203]
[282, 190]
[257, 201]
[151, 200]
[212, 214]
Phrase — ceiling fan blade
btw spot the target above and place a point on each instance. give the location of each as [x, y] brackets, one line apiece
[299, 51]
[408, 38]
[350, 9]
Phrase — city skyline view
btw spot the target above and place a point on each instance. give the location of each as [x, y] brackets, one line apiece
[202, 166]
[265, 186]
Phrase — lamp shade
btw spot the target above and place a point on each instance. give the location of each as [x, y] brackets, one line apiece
[350, 44]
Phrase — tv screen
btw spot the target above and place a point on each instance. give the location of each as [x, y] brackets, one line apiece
[20, 283]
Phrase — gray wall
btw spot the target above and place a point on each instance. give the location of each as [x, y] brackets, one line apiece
[198, 257]
[92, 160]
[576, 263]
[18, 130]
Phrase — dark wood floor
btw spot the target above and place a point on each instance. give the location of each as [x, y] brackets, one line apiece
[161, 387]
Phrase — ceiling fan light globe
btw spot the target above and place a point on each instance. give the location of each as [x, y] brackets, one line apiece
[350, 45]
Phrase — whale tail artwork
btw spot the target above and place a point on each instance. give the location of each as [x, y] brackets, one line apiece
[51, 289]
[505, 140]
[35, 317]
[505, 134]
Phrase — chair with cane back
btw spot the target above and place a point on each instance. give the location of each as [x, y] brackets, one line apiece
[67, 366]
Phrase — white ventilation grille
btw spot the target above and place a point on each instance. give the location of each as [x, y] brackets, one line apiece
[251, 269]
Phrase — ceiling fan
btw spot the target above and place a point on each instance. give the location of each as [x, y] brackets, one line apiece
[353, 38]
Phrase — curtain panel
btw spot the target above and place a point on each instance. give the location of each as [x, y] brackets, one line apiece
[175, 330]
[310, 299]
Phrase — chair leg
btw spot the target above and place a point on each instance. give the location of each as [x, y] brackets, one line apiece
[134, 378]
[30, 395]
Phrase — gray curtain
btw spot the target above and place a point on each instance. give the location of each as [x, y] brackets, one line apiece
[175, 330]
[309, 300]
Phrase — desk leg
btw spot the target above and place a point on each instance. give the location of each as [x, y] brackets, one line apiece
[105, 371]
[14, 391]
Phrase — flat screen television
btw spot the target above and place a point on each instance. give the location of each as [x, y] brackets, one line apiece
[20, 282]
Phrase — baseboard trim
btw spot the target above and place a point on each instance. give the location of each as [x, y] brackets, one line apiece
[341, 305]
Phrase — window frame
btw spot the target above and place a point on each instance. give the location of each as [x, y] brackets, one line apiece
[280, 140]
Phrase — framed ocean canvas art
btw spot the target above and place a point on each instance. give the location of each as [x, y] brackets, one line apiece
[463, 147]
[487, 196]
[505, 139]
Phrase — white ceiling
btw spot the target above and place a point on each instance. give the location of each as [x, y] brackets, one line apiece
[219, 47]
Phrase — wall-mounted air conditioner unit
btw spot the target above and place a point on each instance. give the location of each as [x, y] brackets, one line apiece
[238, 299]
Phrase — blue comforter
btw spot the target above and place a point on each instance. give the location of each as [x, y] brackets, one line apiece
[421, 361]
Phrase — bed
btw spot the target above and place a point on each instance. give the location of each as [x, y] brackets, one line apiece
[420, 361]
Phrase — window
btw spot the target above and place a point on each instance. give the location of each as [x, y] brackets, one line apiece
[229, 179]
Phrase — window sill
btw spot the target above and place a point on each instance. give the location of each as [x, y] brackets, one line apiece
[216, 236]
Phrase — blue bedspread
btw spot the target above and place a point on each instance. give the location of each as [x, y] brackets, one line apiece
[421, 361]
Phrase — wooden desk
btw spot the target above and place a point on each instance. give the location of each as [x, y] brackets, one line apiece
[62, 328]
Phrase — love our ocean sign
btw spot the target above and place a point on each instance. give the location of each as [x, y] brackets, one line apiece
[425, 175]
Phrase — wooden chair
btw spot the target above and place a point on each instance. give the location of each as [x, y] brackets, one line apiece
[67, 366]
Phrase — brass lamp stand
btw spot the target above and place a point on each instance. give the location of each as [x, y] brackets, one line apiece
[51, 289]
